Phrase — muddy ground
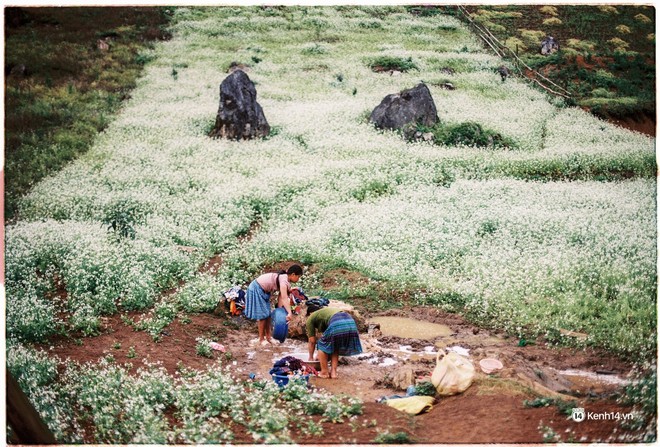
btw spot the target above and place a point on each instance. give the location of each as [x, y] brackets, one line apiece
[492, 410]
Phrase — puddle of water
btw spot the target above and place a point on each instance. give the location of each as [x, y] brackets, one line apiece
[587, 376]
[409, 328]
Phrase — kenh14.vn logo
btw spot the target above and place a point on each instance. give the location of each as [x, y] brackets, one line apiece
[579, 415]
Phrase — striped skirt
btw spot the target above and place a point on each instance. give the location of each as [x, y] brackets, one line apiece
[341, 336]
[257, 302]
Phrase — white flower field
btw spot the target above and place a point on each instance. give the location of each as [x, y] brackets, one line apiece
[557, 233]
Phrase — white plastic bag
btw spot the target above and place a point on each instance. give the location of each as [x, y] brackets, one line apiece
[453, 373]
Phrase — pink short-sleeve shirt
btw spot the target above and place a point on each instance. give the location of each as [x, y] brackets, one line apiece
[268, 282]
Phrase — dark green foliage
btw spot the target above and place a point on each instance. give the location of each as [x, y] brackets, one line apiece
[372, 189]
[469, 134]
[443, 177]
[628, 76]
[563, 406]
[389, 63]
[72, 87]
[580, 167]
[394, 438]
[487, 227]
[425, 388]
[121, 217]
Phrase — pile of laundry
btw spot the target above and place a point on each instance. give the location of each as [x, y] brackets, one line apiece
[235, 299]
[296, 298]
[317, 303]
[290, 365]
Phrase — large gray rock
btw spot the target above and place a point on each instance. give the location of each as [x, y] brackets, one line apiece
[239, 117]
[404, 110]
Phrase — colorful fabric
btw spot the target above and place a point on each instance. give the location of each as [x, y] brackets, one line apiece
[236, 299]
[319, 302]
[297, 296]
[291, 365]
[257, 302]
[341, 336]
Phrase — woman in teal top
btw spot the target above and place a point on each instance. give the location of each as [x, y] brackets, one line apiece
[338, 336]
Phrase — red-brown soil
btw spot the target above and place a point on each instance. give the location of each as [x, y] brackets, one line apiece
[492, 410]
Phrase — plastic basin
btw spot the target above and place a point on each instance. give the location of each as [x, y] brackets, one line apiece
[279, 323]
[490, 365]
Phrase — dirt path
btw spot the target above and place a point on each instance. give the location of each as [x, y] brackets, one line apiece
[491, 410]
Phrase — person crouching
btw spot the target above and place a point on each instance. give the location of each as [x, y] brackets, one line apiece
[339, 336]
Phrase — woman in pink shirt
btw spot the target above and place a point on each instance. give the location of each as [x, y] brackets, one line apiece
[257, 298]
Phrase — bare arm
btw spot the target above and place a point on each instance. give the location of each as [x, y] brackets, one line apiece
[312, 347]
[285, 302]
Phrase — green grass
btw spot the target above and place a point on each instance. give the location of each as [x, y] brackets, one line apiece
[558, 232]
[72, 88]
[614, 41]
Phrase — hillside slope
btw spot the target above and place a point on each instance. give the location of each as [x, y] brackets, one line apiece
[553, 235]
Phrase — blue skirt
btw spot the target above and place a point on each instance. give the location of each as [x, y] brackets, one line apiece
[257, 302]
[341, 336]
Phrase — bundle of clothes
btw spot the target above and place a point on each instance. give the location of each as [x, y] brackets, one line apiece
[235, 299]
[290, 365]
[296, 298]
[316, 303]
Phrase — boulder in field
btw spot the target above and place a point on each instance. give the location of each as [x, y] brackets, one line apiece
[404, 110]
[239, 116]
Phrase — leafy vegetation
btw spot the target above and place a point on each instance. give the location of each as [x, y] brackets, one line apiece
[389, 63]
[558, 232]
[641, 394]
[393, 438]
[602, 49]
[119, 406]
[563, 406]
[468, 134]
[65, 90]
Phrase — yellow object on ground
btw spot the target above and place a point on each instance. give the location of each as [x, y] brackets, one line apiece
[412, 404]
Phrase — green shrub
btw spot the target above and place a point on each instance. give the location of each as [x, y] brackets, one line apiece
[388, 63]
[469, 134]
[203, 348]
[552, 21]
[200, 294]
[425, 388]
[371, 189]
[371, 24]
[314, 50]
[443, 177]
[393, 438]
[122, 216]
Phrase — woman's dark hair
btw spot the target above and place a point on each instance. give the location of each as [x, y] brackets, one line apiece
[295, 269]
